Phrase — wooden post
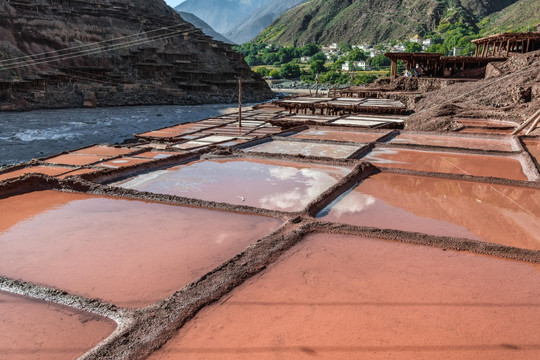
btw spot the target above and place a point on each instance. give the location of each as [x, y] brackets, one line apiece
[507, 47]
[533, 126]
[528, 43]
[524, 125]
[239, 101]
[476, 51]
[393, 68]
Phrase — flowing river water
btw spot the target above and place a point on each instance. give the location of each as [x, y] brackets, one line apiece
[36, 134]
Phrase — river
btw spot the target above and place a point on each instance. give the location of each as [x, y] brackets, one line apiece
[36, 134]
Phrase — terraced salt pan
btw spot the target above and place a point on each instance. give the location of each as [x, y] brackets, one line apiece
[533, 146]
[305, 148]
[45, 170]
[33, 329]
[455, 141]
[493, 213]
[274, 185]
[130, 253]
[345, 297]
[74, 159]
[123, 162]
[104, 151]
[338, 135]
[446, 162]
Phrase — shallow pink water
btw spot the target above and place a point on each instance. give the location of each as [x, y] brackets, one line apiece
[275, 185]
[37, 330]
[345, 297]
[494, 213]
[130, 253]
[446, 162]
[453, 141]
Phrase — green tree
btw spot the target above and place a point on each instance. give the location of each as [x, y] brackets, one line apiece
[309, 49]
[318, 56]
[337, 65]
[413, 47]
[317, 67]
[289, 71]
[379, 61]
[357, 55]
[344, 46]
[275, 74]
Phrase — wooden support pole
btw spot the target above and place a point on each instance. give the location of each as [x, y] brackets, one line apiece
[533, 126]
[239, 102]
[526, 123]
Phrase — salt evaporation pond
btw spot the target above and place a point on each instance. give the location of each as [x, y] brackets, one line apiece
[39, 330]
[345, 297]
[130, 253]
[494, 213]
[447, 162]
[268, 184]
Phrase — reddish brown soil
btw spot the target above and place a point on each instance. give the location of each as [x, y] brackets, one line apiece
[499, 97]
[446, 162]
[343, 297]
[120, 251]
[493, 213]
[38, 330]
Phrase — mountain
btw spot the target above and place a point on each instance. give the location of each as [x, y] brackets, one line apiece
[521, 16]
[207, 29]
[222, 14]
[371, 21]
[254, 23]
[57, 54]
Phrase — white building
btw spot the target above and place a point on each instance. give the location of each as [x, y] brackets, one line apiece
[358, 65]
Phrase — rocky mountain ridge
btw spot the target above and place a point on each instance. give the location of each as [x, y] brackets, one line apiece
[371, 21]
[206, 28]
[223, 14]
[251, 25]
[63, 53]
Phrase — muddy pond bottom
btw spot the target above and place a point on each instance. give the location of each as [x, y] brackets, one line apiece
[34, 329]
[305, 148]
[346, 297]
[273, 185]
[130, 253]
[493, 213]
[446, 162]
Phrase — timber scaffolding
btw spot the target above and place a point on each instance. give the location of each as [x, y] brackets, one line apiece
[438, 65]
[505, 43]
[341, 106]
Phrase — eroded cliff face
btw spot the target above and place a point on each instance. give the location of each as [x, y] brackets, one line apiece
[63, 53]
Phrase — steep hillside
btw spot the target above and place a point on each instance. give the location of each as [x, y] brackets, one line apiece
[251, 25]
[370, 21]
[521, 16]
[207, 29]
[127, 52]
[223, 14]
